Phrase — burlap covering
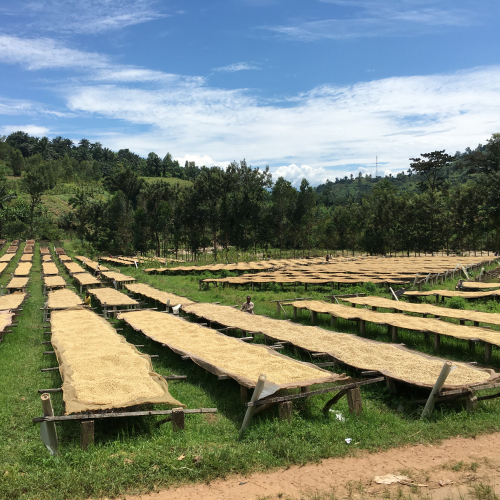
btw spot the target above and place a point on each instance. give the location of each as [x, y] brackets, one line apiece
[26, 257]
[403, 321]
[222, 355]
[153, 293]
[483, 317]
[7, 257]
[12, 300]
[391, 360]
[99, 368]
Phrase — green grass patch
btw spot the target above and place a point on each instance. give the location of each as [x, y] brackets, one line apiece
[135, 455]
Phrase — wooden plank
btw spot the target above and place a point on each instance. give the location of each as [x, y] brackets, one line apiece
[286, 410]
[313, 393]
[93, 416]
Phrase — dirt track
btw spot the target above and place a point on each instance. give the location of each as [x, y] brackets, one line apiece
[458, 464]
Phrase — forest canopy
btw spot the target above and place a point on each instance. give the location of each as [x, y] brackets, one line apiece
[122, 202]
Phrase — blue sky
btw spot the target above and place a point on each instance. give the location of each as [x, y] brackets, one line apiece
[314, 88]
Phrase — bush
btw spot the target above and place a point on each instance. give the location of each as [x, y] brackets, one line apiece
[457, 303]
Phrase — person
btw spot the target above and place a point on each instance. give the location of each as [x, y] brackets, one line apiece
[248, 306]
[110, 256]
[98, 274]
[327, 257]
[97, 270]
[87, 299]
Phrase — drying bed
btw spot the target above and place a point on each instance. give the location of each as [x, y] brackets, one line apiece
[28, 257]
[224, 355]
[85, 279]
[12, 300]
[118, 277]
[112, 297]
[63, 299]
[49, 268]
[153, 293]
[394, 361]
[465, 314]
[479, 285]
[73, 268]
[23, 269]
[432, 325]
[54, 281]
[17, 283]
[7, 257]
[453, 293]
[99, 368]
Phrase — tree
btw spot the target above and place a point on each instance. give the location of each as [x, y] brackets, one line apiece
[431, 168]
[16, 162]
[284, 198]
[154, 165]
[36, 182]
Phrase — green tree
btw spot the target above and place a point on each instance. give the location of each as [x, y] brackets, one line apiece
[431, 168]
[16, 162]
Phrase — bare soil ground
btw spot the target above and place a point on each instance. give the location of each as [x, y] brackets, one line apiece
[458, 468]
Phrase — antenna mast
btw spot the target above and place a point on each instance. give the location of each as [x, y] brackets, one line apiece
[376, 166]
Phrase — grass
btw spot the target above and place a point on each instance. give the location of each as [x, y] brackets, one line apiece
[169, 180]
[134, 455]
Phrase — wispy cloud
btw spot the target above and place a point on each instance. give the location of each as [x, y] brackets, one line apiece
[43, 53]
[87, 16]
[241, 66]
[381, 18]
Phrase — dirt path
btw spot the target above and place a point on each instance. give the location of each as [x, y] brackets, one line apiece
[457, 468]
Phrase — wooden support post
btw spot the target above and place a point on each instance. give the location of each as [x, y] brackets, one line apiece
[294, 313]
[487, 352]
[353, 304]
[462, 322]
[314, 317]
[394, 333]
[243, 394]
[177, 419]
[86, 433]
[476, 323]
[361, 326]
[391, 384]
[286, 410]
[354, 401]
[333, 321]
[471, 403]
[437, 341]
[374, 308]
[472, 346]
[305, 389]
[278, 311]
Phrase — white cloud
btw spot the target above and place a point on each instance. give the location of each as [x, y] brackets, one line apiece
[87, 16]
[241, 66]
[295, 174]
[35, 130]
[341, 127]
[43, 53]
[202, 161]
